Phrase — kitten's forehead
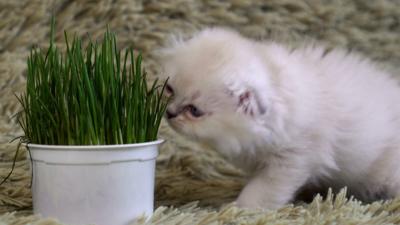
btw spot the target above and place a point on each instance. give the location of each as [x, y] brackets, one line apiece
[204, 54]
[196, 75]
[194, 87]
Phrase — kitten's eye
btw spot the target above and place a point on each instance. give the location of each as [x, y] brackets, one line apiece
[169, 90]
[194, 111]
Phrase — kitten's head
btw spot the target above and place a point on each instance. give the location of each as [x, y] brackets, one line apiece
[217, 85]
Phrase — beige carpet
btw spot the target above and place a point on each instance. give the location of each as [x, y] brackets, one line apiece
[194, 185]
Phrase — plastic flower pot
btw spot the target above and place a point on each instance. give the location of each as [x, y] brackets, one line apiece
[94, 184]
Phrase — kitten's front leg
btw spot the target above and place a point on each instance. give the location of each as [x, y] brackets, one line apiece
[273, 186]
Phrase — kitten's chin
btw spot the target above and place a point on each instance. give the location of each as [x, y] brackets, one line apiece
[174, 126]
[180, 129]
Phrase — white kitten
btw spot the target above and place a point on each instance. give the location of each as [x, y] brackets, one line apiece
[292, 117]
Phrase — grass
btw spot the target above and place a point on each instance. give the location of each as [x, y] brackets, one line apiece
[93, 95]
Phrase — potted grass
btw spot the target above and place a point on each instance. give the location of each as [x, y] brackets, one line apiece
[90, 123]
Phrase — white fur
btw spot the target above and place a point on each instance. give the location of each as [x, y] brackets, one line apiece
[321, 119]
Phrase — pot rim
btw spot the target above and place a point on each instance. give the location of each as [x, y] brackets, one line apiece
[92, 147]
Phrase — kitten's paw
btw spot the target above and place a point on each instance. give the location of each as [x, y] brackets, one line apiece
[257, 203]
[250, 204]
[245, 205]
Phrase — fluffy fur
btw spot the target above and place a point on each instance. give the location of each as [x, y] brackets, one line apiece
[293, 118]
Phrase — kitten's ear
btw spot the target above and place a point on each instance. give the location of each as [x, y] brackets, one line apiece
[172, 43]
[163, 58]
[161, 55]
[249, 103]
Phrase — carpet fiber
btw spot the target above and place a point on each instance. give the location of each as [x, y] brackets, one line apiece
[194, 184]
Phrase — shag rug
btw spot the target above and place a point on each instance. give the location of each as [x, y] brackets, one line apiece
[194, 185]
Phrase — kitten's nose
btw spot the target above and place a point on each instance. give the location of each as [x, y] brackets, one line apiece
[170, 114]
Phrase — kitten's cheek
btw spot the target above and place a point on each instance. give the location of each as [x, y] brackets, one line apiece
[168, 96]
[190, 118]
[176, 123]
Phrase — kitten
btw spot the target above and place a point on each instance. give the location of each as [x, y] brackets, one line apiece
[293, 118]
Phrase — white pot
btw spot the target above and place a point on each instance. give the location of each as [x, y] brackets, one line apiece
[98, 184]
